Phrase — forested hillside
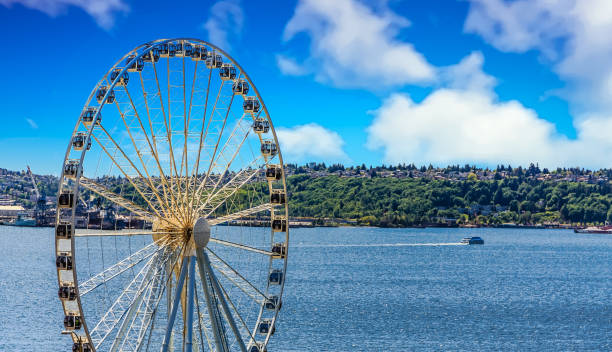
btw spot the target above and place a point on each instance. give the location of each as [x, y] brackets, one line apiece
[406, 195]
[414, 201]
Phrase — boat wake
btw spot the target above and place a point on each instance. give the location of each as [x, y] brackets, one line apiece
[381, 245]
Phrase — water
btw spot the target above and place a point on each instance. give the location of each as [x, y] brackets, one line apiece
[363, 289]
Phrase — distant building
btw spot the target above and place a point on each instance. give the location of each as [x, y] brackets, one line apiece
[6, 200]
[10, 211]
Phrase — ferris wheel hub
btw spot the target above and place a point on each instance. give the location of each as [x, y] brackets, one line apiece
[201, 233]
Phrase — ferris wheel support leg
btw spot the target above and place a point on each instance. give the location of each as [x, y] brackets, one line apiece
[189, 320]
[224, 305]
[169, 297]
[175, 304]
[219, 337]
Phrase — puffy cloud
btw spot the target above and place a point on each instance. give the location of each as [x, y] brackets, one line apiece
[518, 26]
[468, 75]
[103, 11]
[454, 125]
[467, 123]
[310, 141]
[225, 20]
[353, 46]
[573, 34]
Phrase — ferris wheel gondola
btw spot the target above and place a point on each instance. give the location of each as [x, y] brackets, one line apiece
[172, 218]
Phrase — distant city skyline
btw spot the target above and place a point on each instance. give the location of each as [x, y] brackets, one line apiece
[483, 82]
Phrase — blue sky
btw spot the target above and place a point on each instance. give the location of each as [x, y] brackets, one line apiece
[440, 81]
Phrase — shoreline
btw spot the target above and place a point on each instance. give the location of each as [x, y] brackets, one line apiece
[303, 224]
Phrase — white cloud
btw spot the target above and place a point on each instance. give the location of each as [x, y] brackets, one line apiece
[518, 26]
[103, 11]
[467, 123]
[225, 20]
[310, 141]
[289, 67]
[31, 123]
[573, 34]
[463, 120]
[468, 75]
[353, 46]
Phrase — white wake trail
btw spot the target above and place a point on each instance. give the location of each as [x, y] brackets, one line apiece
[381, 245]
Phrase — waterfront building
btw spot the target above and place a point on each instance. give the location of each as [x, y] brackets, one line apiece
[10, 211]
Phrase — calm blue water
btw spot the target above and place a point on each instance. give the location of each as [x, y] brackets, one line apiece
[362, 289]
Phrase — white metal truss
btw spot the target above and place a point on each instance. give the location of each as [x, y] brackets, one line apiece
[218, 196]
[118, 268]
[241, 214]
[127, 167]
[236, 278]
[115, 198]
[241, 246]
[142, 319]
[113, 316]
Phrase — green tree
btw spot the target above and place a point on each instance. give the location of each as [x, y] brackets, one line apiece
[514, 205]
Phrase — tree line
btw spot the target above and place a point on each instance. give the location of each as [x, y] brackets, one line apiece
[420, 201]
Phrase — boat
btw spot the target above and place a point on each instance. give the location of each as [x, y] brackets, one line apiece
[472, 240]
[23, 219]
[595, 229]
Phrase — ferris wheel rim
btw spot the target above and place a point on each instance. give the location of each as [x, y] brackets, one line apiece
[77, 186]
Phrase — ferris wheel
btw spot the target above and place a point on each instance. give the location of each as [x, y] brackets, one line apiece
[172, 225]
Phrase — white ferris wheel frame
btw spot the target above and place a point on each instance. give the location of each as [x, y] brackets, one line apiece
[84, 337]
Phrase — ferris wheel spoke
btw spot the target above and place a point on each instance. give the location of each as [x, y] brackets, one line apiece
[228, 162]
[164, 238]
[118, 268]
[143, 317]
[121, 305]
[241, 246]
[223, 121]
[131, 163]
[214, 153]
[215, 198]
[153, 144]
[236, 278]
[152, 148]
[205, 124]
[241, 214]
[139, 189]
[196, 167]
[238, 130]
[168, 132]
[184, 161]
[186, 118]
[115, 198]
[181, 178]
[107, 233]
[204, 265]
[137, 150]
[132, 312]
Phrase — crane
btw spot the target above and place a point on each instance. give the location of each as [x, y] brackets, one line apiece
[33, 183]
[40, 201]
